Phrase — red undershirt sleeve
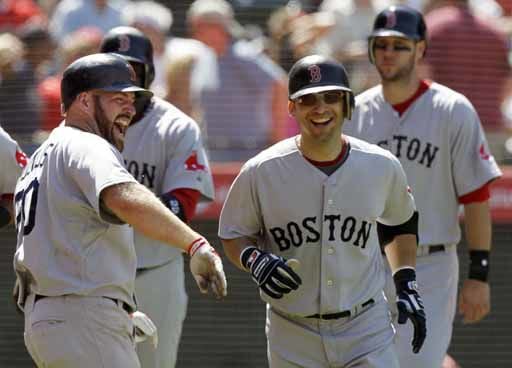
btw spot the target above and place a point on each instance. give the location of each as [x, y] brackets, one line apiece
[482, 194]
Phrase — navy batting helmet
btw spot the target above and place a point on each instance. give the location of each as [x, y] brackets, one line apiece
[315, 73]
[106, 72]
[134, 46]
[397, 21]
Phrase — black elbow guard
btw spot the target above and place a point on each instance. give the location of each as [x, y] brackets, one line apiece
[5, 217]
[388, 233]
[172, 203]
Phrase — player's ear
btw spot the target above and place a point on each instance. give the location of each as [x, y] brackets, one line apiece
[421, 47]
[291, 107]
[84, 100]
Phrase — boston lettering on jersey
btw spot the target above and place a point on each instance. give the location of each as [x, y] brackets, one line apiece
[37, 160]
[348, 230]
[412, 149]
[143, 172]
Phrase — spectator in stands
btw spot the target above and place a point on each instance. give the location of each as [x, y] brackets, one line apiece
[182, 65]
[19, 105]
[246, 111]
[39, 48]
[470, 55]
[347, 41]
[16, 13]
[280, 28]
[82, 42]
[154, 20]
[70, 15]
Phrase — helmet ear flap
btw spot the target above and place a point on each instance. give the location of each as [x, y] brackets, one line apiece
[350, 103]
[150, 75]
[371, 54]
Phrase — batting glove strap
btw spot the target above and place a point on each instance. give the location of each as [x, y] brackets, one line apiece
[410, 306]
[195, 245]
[269, 272]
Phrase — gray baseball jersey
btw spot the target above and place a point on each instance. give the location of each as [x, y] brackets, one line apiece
[12, 160]
[164, 151]
[66, 243]
[326, 222]
[440, 142]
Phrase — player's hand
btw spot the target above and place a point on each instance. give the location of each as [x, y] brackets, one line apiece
[144, 328]
[410, 305]
[474, 300]
[206, 267]
[270, 272]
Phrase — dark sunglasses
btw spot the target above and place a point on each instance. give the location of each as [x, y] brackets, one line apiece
[329, 98]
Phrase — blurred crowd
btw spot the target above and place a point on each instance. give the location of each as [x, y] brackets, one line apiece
[229, 73]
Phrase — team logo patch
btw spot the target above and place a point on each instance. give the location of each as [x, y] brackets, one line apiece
[315, 74]
[124, 43]
[390, 20]
[21, 158]
[192, 164]
[483, 153]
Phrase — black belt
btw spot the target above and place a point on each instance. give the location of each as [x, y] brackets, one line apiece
[435, 248]
[126, 307]
[342, 314]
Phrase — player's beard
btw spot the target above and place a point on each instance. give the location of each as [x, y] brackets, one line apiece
[107, 127]
[401, 74]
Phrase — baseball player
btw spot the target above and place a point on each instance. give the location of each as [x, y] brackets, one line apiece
[76, 259]
[301, 219]
[437, 136]
[163, 150]
[12, 162]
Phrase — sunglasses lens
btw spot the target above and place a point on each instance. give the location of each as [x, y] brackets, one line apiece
[332, 97]
[307, 100]
[328, 97]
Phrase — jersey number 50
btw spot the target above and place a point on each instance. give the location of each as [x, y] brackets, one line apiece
[26, 203]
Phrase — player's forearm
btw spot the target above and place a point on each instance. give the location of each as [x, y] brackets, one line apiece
[477, 225]
[401, 252]
[139, 207]
[233, 248]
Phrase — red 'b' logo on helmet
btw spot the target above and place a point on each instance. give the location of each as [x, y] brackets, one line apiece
[315, 74]
[390, 20]
[124, 43]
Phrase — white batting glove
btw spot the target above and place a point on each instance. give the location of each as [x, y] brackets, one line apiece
[144, 329]
[206, 267]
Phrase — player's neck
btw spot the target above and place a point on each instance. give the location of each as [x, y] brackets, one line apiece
[396, 92]
[327, 151]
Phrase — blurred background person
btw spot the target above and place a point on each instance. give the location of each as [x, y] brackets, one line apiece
[347, 40]
[84, 41]
[19, 103]
[471, 55]
[183, 66]
[155, 21]
[39, 48]
[70, 15]
[16, 13]
[246, 110]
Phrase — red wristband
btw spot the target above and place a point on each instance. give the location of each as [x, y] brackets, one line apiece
[195, 245]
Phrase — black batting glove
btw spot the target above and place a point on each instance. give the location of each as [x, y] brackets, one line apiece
[410, 305]
[270, 272]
